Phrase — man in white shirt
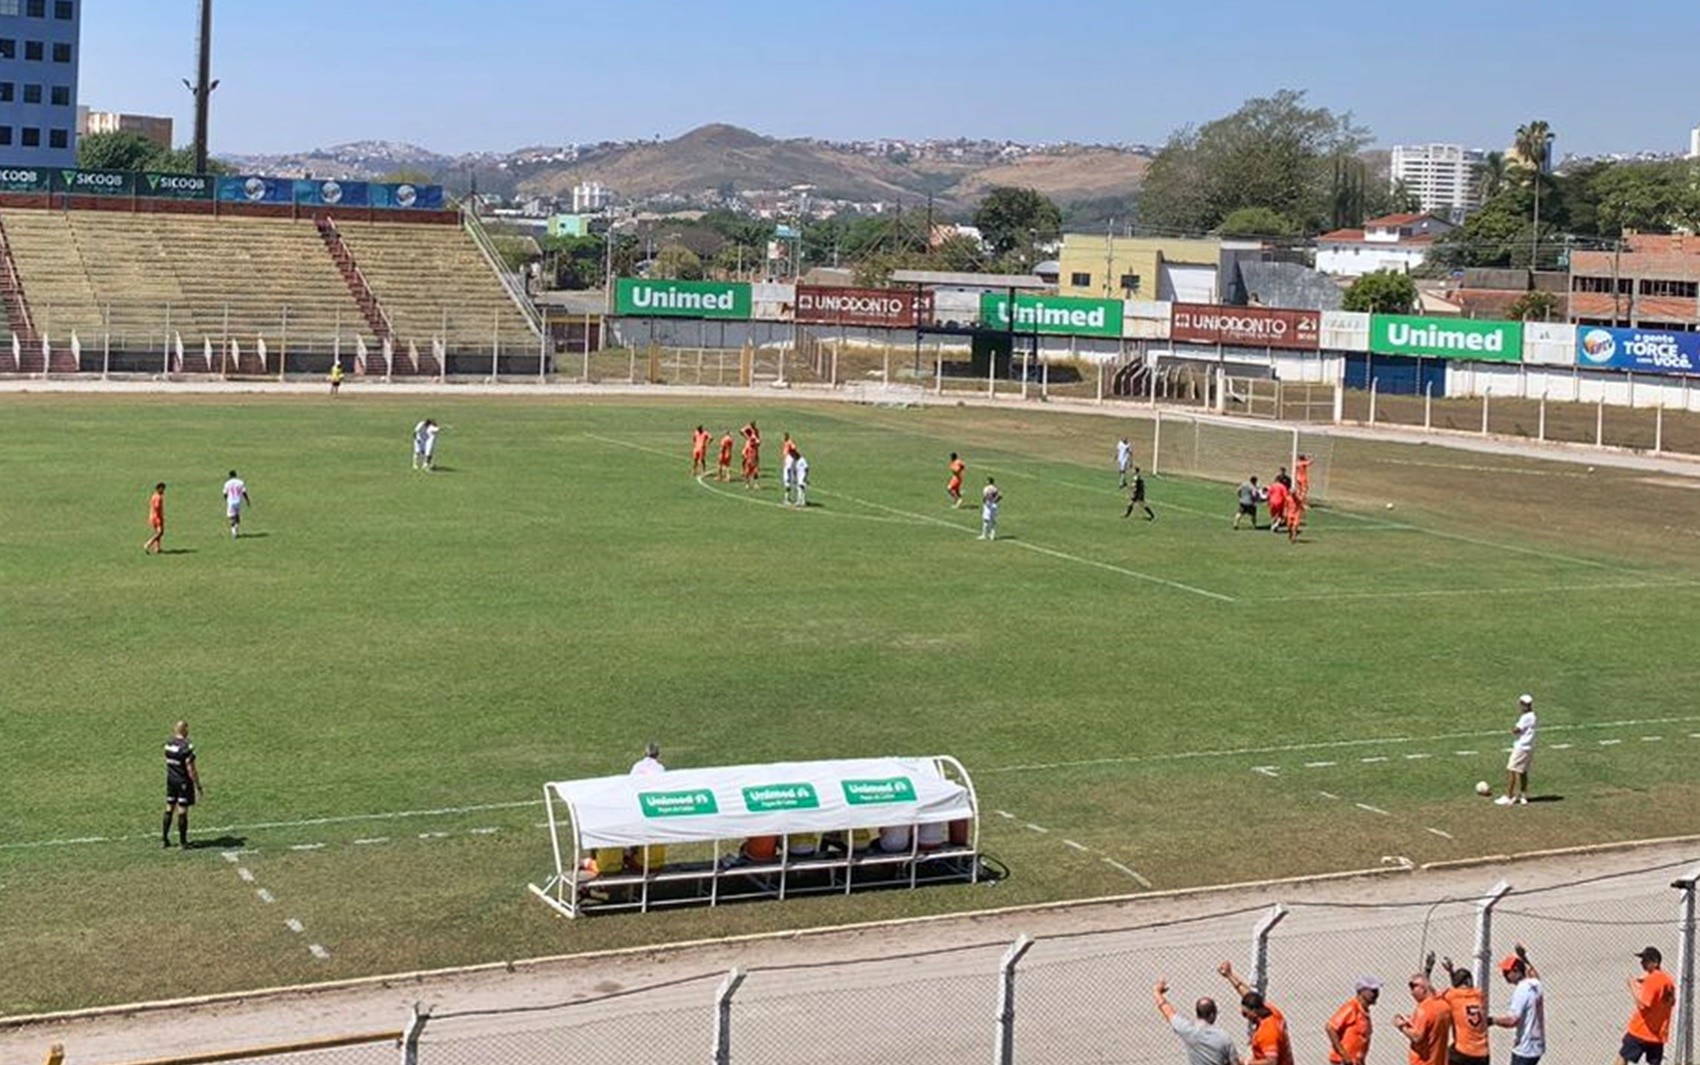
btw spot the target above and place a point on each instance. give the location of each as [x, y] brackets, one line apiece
[650, 763]
[235, 498]
[1205, 1043]
[1528, 1010]
[431, 430]
[1124, 458]
[788, 476]
[1522, 753]
[990, 497]
[800, 481]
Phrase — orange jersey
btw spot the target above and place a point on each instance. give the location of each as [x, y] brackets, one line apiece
[790, 447]
[156, 509]
[1269, 1041]
[699, 444]
[957, 469]
[1469, 1020]
[1431, 1022]
[1301, 475]
[1351, 1025]
[726, 450]
[1654, 999]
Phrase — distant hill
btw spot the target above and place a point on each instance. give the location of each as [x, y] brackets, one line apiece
[723, 160]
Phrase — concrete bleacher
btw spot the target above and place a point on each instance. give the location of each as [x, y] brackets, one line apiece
[145, 279]
[427, 276]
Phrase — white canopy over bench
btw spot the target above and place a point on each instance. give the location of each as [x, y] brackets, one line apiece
[688, 825]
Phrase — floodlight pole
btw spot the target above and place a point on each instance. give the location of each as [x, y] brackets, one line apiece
[203, 87]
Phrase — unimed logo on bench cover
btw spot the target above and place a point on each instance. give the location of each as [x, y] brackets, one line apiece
[692, 803]
[873, 792]
[768, 797]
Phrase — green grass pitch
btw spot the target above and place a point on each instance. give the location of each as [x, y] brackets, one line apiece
[1166, 703]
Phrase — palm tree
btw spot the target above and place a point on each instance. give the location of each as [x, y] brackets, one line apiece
[1533, 145]
[1490, 176]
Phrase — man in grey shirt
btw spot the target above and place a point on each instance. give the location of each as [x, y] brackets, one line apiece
[1248, 495]
[1205, 1043]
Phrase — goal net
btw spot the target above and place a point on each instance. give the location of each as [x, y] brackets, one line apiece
[1227, 450]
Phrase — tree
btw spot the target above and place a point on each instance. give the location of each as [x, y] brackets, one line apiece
[676, 261]
[1012, 218]
[117, 151]
[1257, 222]
[1533, 145]
[182, 161]
[1383, 292]
[576, 261]
[1489, 176]
[1274, 152]
[407, 175]
[1536, 307]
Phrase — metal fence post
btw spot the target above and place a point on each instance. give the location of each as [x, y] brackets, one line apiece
[1682, 1030]
[410, 1035]
[1484, 938]
[1260, 947]
[56, 1054]
[723, 1016]
[1006, 999]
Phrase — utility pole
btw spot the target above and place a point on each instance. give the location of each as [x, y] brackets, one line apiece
[203, 87]
[1109, 256]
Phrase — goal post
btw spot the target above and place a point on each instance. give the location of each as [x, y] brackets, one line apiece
[1228, 450]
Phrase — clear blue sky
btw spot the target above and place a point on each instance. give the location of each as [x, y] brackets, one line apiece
[455, 76]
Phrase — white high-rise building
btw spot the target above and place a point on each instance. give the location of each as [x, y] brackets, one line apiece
[1694, 143]
[589, 197]
[1441, 176]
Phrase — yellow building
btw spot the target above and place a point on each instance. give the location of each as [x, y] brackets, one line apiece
[1141, 268]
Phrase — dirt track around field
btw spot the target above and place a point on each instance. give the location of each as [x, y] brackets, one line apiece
[385, 1003]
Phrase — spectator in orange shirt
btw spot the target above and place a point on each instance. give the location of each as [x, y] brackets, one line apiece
[1649, 1026]
[1350, 1028]
[1429, 1025]
[724, 471]
[1270, 1042]
[156, 519]
[699, 451]
[1469, 1015]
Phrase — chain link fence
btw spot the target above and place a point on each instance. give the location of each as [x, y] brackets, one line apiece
[1087, 997]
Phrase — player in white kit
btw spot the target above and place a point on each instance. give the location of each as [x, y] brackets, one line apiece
[800, 482]
[1124, 458]
[990, 497]
[235, 498]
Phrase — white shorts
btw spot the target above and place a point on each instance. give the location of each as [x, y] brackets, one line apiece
[233, 510]
[1520, 759]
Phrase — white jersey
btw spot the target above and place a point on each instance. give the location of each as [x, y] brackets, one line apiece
[1124, 455]
[789, 476]
[800, 472]
[234, 493]
[989, 500]
[647, 767]
[1525, 732]
[430, 439]
[419, 439]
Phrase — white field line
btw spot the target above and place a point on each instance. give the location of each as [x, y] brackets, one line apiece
[1518, 549]
[1072, 845]
[319, 952]
[294, 926]
[1486, 469]
[1239, 752]
[1441, 593]
[1053, 553]
[1438, 832]
[1119, 867]
[1372, 809]
[265, 896]
[246, 874]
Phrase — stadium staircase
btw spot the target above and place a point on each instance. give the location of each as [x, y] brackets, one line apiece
[436, 285]
[28, 350]
[1131, 379]
[367, 300]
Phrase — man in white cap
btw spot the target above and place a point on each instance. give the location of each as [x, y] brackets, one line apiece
[1522, 753]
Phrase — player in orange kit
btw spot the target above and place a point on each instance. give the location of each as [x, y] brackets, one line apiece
[751, 454]
[156, 519]
[723, 472]
[957, 469]
[699, 451]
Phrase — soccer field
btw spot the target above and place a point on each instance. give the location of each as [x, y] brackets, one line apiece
[382, 672]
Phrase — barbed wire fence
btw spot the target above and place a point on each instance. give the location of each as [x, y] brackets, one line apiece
[1087, 997]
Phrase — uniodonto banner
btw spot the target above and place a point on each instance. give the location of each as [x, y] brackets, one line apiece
[1446, 338]
[1637, 350]
[735, 802]
[1252, 327]
[1053, 315]
[892, 308]
[637, 296]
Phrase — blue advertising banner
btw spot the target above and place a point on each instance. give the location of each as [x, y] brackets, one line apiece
[1639, 350]
[256, 190]
[313, 193]
[408, 197]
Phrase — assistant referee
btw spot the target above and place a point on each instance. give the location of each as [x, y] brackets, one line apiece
[182, 784]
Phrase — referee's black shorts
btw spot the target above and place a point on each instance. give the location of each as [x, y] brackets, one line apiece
[179, 793]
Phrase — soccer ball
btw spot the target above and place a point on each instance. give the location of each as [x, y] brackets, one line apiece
[1483, 788]
[1390, 506]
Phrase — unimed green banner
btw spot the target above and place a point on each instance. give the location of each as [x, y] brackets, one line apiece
[1055, 315]
[178, 186]
[640, 297]
[1446, 338]
[94, 182]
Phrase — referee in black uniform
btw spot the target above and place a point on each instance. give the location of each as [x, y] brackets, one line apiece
[1136, 497]
[182, 784]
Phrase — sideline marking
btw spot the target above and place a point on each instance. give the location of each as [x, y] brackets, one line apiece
[1112, 863]
[1235, 752]
[294, 926]
[1438, 832]
[1328, 795]
[1552, 556]
[245, 874]
[1372, 809]
[266, 896]
[1076, 846]
[319, 952]
[1027, 545]
[1320, 765]
[1441, 593]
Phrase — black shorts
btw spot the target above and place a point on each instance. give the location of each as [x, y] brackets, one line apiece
[1249, 508]
[179, 793]
[1639, 1049]
[1519, 1059]
[1455, 1058]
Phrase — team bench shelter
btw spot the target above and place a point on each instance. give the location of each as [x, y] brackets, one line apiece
[694, 836]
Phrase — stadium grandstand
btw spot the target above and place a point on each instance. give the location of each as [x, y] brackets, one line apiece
[133, 285]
